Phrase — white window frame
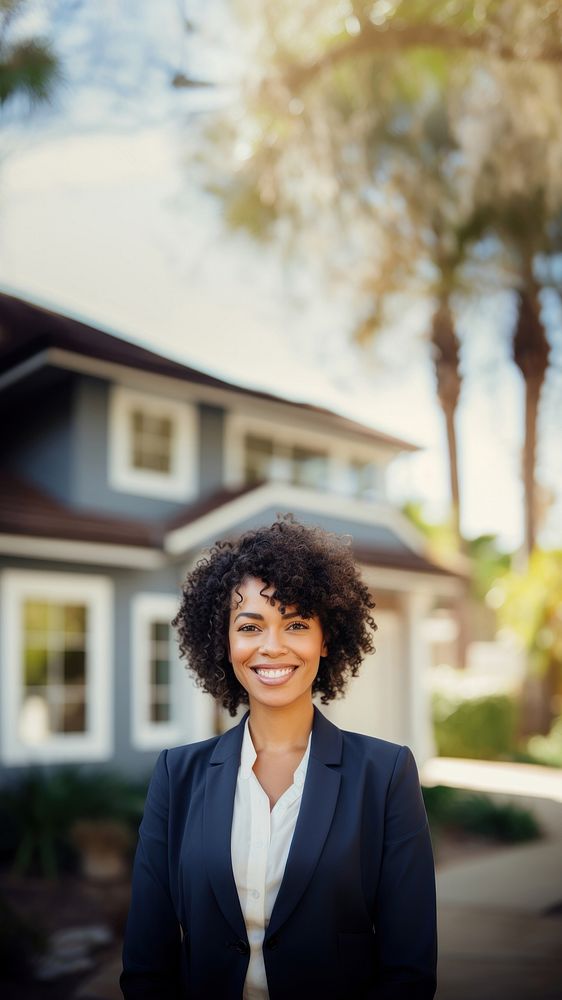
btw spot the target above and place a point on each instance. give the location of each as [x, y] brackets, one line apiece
[145, 608]
[18, 586]
[339, 452]
[178, 484]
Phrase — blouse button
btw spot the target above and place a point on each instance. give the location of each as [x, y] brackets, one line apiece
[255, 894]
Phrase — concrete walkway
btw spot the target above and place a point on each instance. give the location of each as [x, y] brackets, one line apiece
[500, 915]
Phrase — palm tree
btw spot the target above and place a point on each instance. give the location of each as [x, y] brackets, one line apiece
[28, 66]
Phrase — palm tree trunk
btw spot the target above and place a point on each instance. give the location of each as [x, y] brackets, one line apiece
[446, 359]
[530, 353]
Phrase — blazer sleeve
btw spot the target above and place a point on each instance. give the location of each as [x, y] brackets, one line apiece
[152, 944]
[405, 907]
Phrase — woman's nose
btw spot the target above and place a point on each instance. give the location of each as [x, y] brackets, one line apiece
[272, 645]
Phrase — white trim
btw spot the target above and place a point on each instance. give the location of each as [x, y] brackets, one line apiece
[339, 452]
[178, 484]
[97, 592]
[145, 609]
[64, 550]
[193, 711]
[24, 369]
[284, 496]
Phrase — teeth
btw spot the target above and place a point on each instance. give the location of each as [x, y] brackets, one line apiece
[272, 672]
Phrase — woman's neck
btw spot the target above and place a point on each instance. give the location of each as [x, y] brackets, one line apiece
[278, 730]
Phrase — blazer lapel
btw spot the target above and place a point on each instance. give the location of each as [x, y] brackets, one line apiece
[220, 788]
[320, 794]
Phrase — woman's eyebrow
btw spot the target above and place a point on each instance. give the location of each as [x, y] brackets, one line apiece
[257, 617]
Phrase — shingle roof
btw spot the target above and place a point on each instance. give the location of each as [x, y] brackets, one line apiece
[28, 511]
[27, 328]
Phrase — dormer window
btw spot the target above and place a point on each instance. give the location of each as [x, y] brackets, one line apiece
[152, 445]
[151, 441]
[267, 459]
[259, 450]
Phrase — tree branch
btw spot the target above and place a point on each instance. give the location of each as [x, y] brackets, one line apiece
[373, 40]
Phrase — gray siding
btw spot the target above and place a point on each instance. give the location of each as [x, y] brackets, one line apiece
[40, 444]
[90, 480]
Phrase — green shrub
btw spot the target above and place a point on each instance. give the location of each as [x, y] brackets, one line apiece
[483, 728]
[37, 812]
[450, 808]
[547, 749]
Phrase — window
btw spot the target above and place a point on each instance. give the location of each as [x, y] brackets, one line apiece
[56, 655]
[364, 479]
[151, 439]
[268, 459]
[151, 445]
[159, 682]
[257, 449]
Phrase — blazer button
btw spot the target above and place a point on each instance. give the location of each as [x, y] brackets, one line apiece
[242, 947]
[272, 942]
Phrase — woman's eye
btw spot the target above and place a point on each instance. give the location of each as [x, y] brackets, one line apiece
[247, 628]
[298, 625]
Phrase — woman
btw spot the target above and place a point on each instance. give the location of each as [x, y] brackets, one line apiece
[285, 859]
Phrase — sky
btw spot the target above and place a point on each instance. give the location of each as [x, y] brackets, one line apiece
[99, 218]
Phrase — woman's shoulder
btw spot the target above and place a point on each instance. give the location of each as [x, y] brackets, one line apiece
[387, 759]
[373, 746]
[186, 753]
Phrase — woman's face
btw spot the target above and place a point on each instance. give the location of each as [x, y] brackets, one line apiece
[275, 656]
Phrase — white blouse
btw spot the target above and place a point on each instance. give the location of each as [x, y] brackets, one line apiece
[260, 842]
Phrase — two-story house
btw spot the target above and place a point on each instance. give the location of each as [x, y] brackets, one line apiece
[117, 466]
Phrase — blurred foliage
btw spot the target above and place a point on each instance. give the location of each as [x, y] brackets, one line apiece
[411, 149]
[530, 605]
[449, 808]
[488, 564]
[440, 535]
[38, 811]
[28, 66]
[546, 749]
[483, 728]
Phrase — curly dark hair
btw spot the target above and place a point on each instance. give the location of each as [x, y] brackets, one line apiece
[309, 568]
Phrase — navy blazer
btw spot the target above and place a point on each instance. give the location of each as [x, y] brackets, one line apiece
[355, 912]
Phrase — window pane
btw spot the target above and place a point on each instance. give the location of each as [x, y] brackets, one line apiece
[36, 663]
[160, 630]
[54, 670]
[74, 666]
[258, 458]
[74, 618]
[160, 672]
[362, 478]
[151, 441]
[73, 717]
[310, 468]
[160, 712]
[36, 616]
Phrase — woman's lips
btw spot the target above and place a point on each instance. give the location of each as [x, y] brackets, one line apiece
[274, 676]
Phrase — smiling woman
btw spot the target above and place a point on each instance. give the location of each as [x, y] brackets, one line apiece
[285, 858]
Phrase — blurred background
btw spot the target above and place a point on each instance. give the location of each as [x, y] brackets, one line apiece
[259, 257]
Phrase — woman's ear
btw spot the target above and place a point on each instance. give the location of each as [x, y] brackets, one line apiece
[324, 650]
